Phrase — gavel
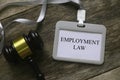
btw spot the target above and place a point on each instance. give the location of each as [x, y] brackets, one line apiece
[23, 49]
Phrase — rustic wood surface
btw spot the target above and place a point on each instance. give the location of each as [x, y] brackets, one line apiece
[98, 11]
[111, 75]
[11, 10]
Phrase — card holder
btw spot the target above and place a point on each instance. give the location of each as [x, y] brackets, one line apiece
[79, 44]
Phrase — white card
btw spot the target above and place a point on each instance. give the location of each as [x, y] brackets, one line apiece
[79, 44]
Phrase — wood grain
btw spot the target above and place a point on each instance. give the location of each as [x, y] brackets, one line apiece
[11, 10]
[98, 11]
[111, 75]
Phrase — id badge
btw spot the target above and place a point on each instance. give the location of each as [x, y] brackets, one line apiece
[79, 44]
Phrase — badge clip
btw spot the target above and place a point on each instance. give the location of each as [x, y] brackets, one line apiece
[81, 15]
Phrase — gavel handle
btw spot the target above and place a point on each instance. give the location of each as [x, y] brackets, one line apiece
[36, 69]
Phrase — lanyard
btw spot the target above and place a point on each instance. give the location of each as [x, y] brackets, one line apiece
[80, 14]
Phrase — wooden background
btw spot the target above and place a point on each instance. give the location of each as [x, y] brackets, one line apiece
[106, 12]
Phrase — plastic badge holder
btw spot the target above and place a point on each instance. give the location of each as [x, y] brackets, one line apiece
[79, 44]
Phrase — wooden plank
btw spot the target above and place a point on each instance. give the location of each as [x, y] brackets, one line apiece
[98, 11]
[11, 10]
[111, 75]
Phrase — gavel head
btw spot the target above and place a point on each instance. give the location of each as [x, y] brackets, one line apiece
[23, 47]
